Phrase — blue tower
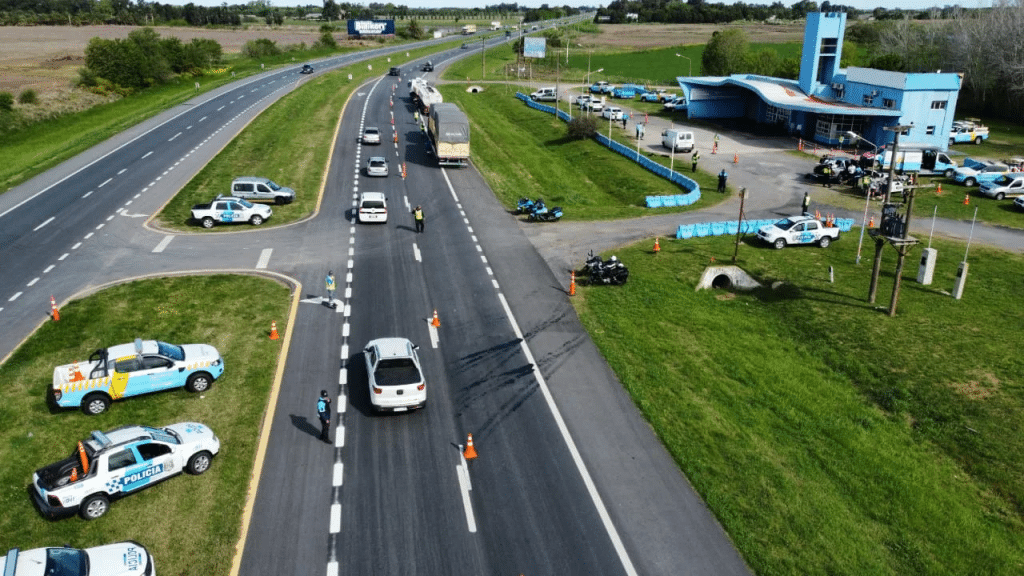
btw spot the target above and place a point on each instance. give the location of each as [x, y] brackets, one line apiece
[823, 48]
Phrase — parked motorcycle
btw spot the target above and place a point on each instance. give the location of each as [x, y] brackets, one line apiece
[543, 214]
[612, 271]
[525, 205]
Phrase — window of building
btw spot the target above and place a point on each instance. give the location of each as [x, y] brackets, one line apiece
[832, 127]
[869, 99]
[930, 130]
[938, 104]
[829, 45]
[888, 103]
[776, 115]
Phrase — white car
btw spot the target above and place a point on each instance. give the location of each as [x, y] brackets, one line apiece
[230, 210]
[373, 207]
[594, 105]
[798, 230]
[377, 166]
[612, 113]
[371, 136]
[119, 559]
[582, 100]
[394, 374]
[120, 462]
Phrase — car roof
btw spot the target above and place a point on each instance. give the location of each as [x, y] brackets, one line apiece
[391, 347]
[377, 159]
[372, 196]
[251, 179]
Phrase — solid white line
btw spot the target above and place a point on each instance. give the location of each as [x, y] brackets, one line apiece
[467, 504]
[335, 518]
[86, 195]
[339, 437]
[416, 252]
[122, 171]
[51, 219]
[339, 470]
[104, 182]
[146, 155]
[15, 297]
[163, 244]
[30, 284]
[332, 569]
[264, 258]
[65, 255]
[173, 137]
[48, 268]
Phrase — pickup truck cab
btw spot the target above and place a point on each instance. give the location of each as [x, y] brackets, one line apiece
[118, 559]
[123, 461]
[798, 230]
[601, 87]
[128, 370]
[967, 131]
[976, 171]
[230, 210]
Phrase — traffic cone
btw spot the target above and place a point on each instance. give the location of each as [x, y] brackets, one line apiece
[74, 474]
[396, 137]
[572, 283]
[967, 201]
[435, 322]
[53, 309]
[714, 148]
[469, 453]
[736, 158]
[800, 144]
[938, 191]
[76, 373]
[871, 223]
[712, 259]
[273, 331]
[657, 247]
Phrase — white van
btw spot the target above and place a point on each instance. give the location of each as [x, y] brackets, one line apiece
[677, 140]
[546, 94]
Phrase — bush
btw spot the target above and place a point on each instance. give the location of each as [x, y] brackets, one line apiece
[6, 101]
[28, 96]
[87, 78]
[582, 127]
[326, 41]
[262, 48]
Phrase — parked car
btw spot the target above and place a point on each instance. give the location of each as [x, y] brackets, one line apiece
[306, 69]
[601, 87]
[1011, 184]
[373, 207]
[120, 462]
[612, 113]
[371, 136]
[118, 559]
[258, 188]
[975, 171]
[582, 100]
[230, 210]
[798, 230]
[1019, 203]
[377, 166]
[394, 375]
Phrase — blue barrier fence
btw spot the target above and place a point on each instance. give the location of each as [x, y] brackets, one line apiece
[671, 175]
[730, 227]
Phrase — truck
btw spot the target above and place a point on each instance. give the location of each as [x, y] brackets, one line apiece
[495, 25]
[424, 95]
[969, 130]
[469, 29]
[546, 94]
[601, 87]
[798, 230]
[230, 209]
[926, 160]
[127, 370]
[977, 171]
[448, 127]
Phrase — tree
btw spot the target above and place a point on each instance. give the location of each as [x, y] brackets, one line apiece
[725, 53]
[331, 11]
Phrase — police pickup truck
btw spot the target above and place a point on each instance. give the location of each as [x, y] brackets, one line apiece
[798, 230]
[230, 209]
[119, 559]
[120, 462]
[132, 369]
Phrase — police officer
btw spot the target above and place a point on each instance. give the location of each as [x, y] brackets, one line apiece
[331, 286]
[806, 203]
[722, 177]
[323, 411]
[694, 158]
[417, 215]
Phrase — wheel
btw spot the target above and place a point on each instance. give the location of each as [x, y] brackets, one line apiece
[280, 200]
[95, 403]
[199, 463]
[824, 241]
[256, 220]
[780, 244]
[94, 506]
[970, 182]
[208, 222]
[1000, 196]
[948, 173]
[978, 139]
[199, 382]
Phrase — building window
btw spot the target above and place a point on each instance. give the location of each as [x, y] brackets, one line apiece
[829, 46]
[831, 128]
[938, 104]
[930, 131]
[889, 103]
[776, 115]
[868, 99]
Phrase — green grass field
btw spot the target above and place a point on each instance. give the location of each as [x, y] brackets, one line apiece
[191, 524]
[827, 437]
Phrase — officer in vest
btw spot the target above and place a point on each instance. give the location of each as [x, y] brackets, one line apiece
[417, 215]
[323, 411]
[331, 286]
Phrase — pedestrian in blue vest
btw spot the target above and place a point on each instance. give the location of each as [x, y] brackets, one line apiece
[323, 411]
[722, 177]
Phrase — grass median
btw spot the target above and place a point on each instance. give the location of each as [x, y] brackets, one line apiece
[191, 524]
[827, 437]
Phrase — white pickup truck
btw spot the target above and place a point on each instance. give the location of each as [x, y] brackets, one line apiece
[121, 462]
[228, 210]
[798, 230]
[118, 559]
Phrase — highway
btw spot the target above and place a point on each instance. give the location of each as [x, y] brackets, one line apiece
[569, 479]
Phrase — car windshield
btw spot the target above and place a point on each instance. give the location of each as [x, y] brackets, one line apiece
[1002, 180]
[784, 224]
[245, 203]
[376, 163]
[66, 562]
[273, 185]
[371, 131]
[171, 351]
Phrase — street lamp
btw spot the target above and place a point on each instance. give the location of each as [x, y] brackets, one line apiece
[854, 137]
[689, 63]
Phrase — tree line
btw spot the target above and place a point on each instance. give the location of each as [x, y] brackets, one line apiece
[701, 12]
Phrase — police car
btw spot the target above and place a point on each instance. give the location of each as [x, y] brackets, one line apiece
[132, 369]
[798, 230]
[120, 559]
[110, 465]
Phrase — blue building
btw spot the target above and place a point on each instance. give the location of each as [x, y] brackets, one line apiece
[827, 101]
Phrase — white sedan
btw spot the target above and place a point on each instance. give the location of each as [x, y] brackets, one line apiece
[395, 378]
[612, 113]
[371, 136]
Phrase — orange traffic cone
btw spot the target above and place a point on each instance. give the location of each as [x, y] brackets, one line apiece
[273, 331]
[938, 191]
[736, 158]
[76, 373]
[396, 137]
[435, 322]
[817, 215]
[871, 223]
[572, 283]
[469, 453]
[800, 144]
[967, 201]
[657, 247]
[74, 474]
[53, 309]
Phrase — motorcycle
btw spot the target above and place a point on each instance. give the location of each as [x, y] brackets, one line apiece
[525, 206]
[612, 272]
[544, 215]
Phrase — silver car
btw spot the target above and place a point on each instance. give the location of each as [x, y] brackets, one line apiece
[256, 188]
[371, 136]
[377, 166]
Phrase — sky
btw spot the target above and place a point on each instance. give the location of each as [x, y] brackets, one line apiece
[859, 4]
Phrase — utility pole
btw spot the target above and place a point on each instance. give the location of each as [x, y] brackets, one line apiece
[879, 235]
[739, 229]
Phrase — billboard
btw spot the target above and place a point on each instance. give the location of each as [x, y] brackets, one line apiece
[533, 47]
[371, 27]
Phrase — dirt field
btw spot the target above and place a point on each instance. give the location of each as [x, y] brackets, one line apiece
[643, 36]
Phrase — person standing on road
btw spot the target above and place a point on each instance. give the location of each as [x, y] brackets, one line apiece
[416, 116]
[625, 117]
[694, 159]
[714, 148]
[722, 177]
[331, 286]
[323, 411]
[807, 202]
[417, 215]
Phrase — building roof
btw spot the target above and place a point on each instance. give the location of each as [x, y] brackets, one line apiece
[785, 94]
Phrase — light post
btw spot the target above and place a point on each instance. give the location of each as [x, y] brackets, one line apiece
[689, 64]
[854, 137]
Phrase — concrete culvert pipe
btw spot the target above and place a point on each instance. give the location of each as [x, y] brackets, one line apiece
[722, 282]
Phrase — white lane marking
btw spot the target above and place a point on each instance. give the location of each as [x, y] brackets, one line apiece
[104, 182]
[48, 268]
[65, 255]
[163, 244]
[339, 438]
[122, 171]
[339, 470]
[470, 228]
[495, 283]
[473, 236]
[348, 278]
[416, 252]
[351, 263]
[188, 127]
[51, 219]
[344, 351]
[128, 203]
[335, 518]
[100, 227]
[342, 403]
[433, 335]
[348, 310]
[264, 258]
[489, 271]
[203, 118]
[351, 251]
[219, 109]
[87, 236]
[332, 568]
[483, 258]
[342, 378]
[479, 248]
[467, 504]
[86, 195]
[30, 284]
[146, 155]
[15, 297]
[348, 293]
[173, 137]
[346, 329]
[111, 217]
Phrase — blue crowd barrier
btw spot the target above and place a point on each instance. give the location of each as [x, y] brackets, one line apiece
[702, 230]
[717, 228]
[654, 201]
[668, 201]
[685, 231]
[732, 226]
